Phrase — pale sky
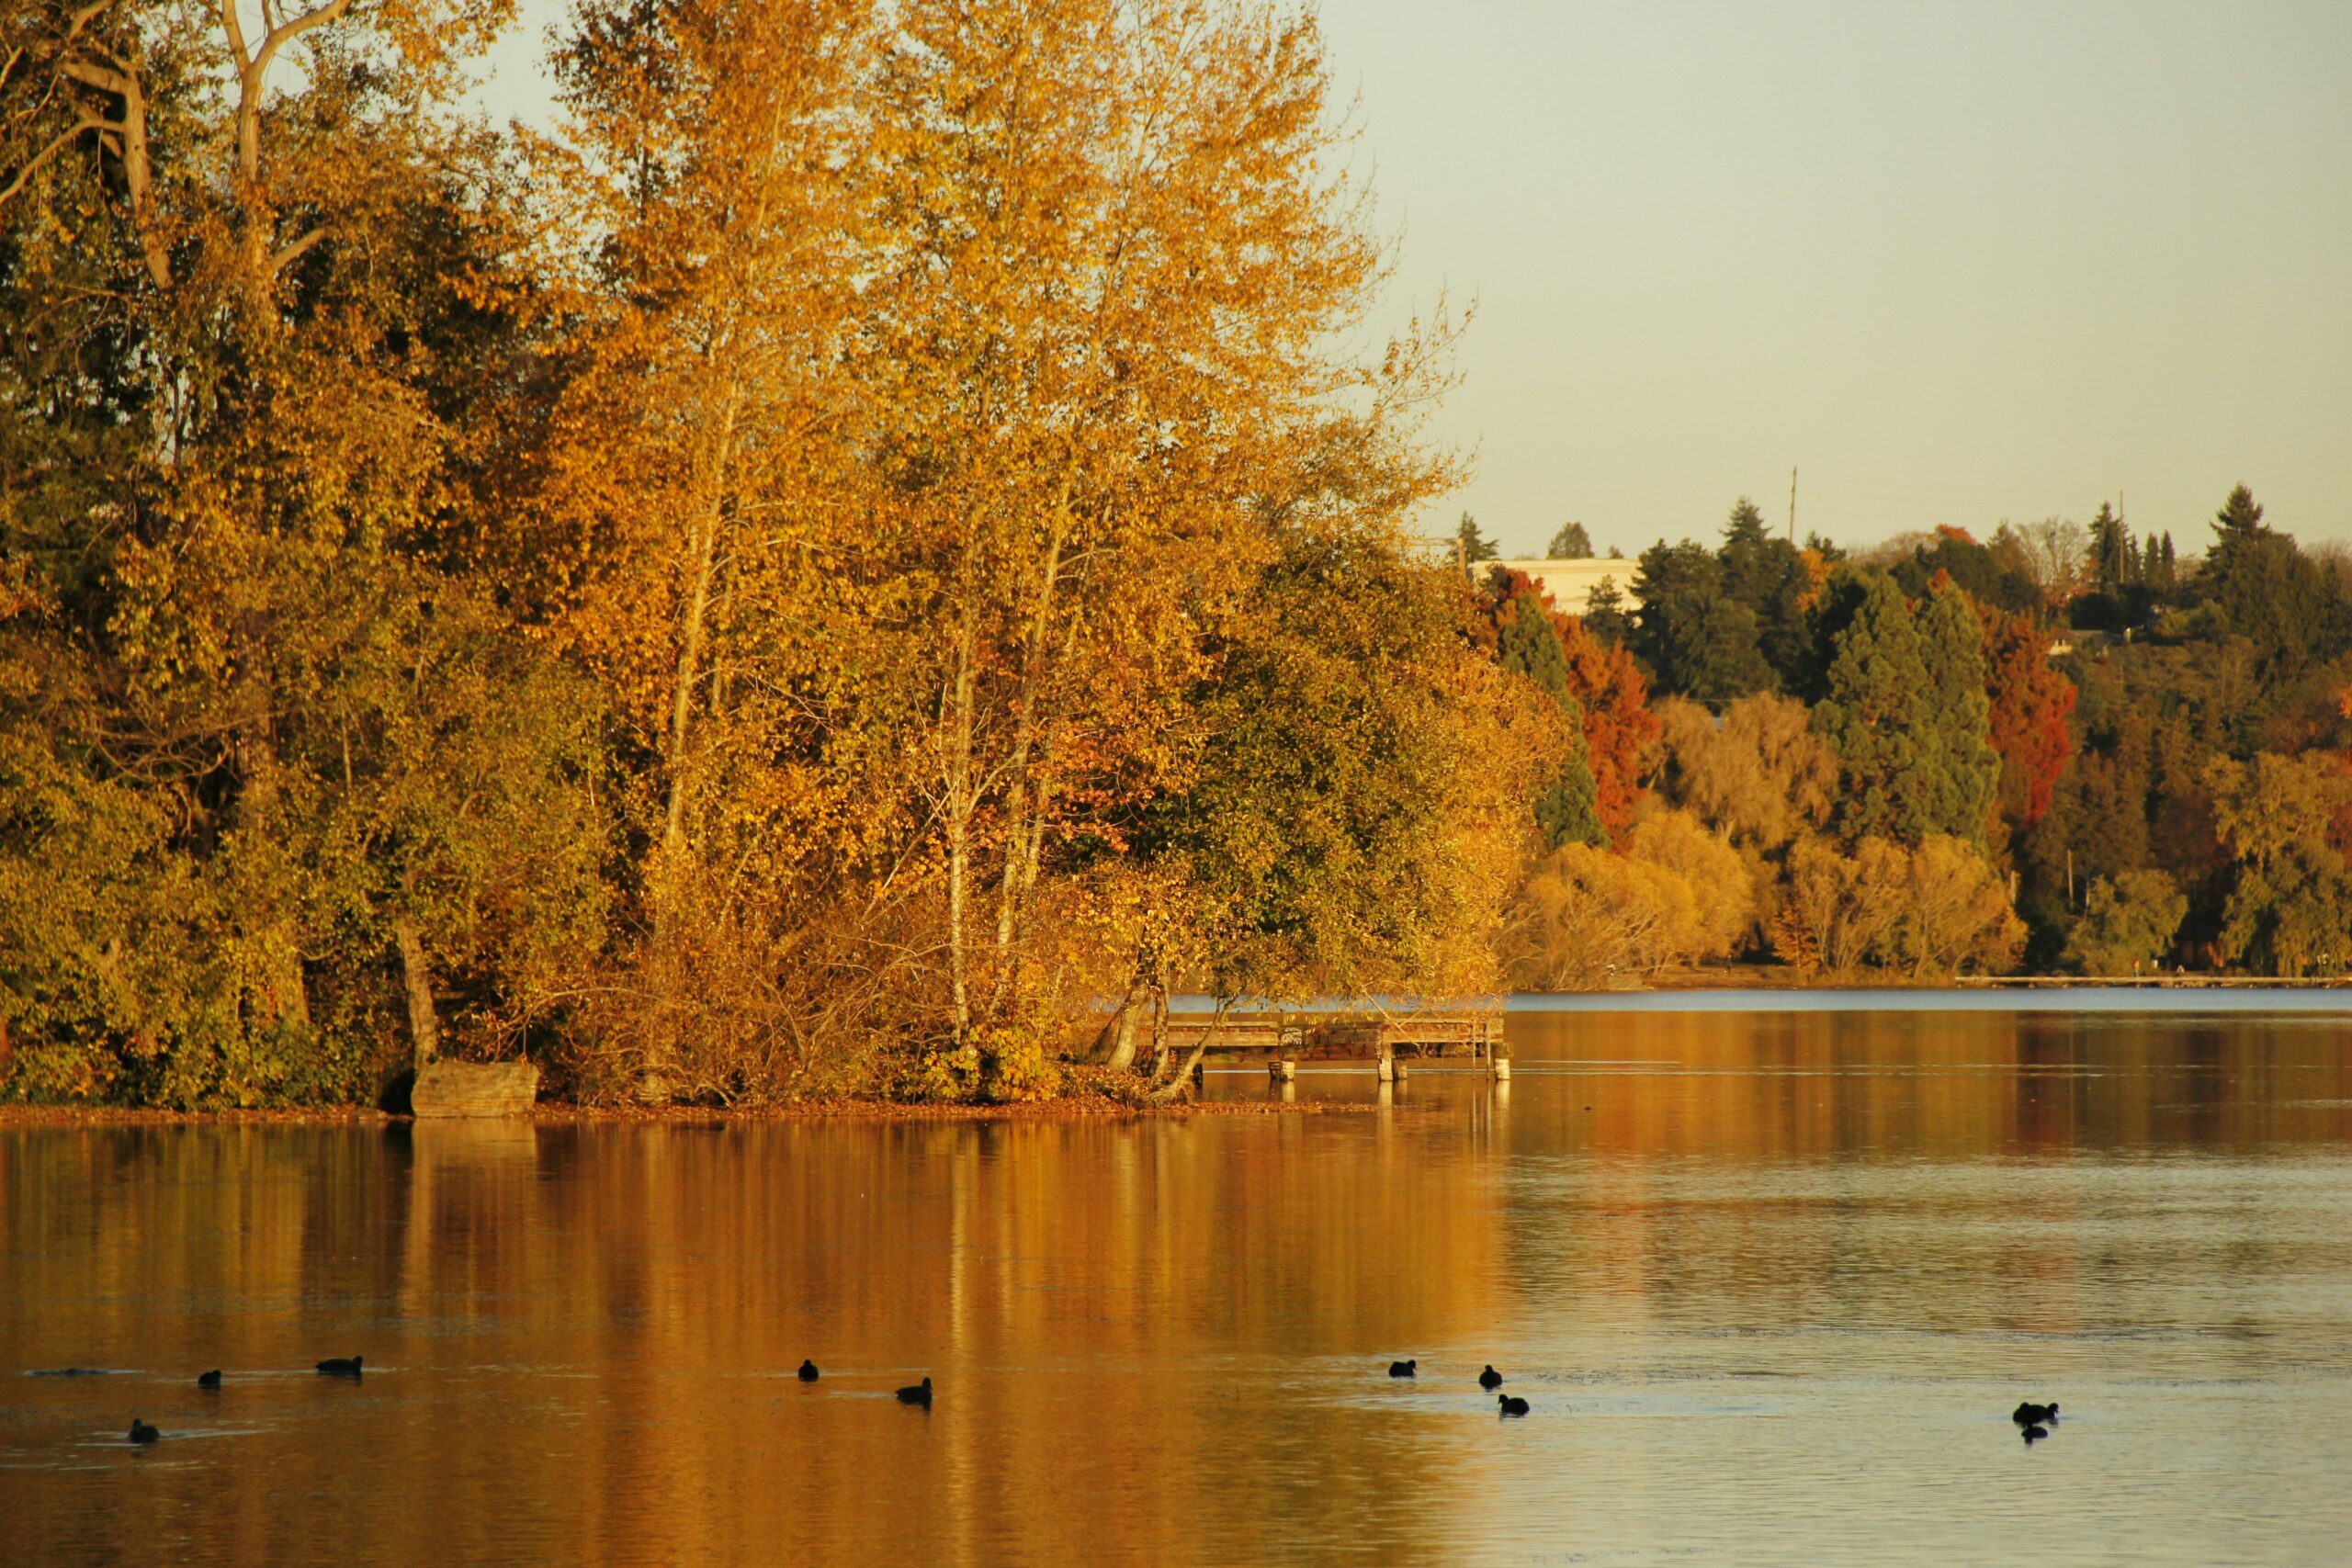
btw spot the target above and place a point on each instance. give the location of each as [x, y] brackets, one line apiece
[1957, 262]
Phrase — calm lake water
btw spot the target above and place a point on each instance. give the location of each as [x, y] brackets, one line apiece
[1772, 1284]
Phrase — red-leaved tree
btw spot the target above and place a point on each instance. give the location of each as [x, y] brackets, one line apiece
[2032, 702]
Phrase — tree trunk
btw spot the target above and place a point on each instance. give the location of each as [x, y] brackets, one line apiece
[1020, 796]
[1159, 1027]
[960, 807]
[1115, 1047]
[1176, 1087]
[424, 1027]
[701, 568]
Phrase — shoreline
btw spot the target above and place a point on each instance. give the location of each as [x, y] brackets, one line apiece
[557, 1114]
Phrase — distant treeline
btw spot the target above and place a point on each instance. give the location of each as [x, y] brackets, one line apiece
[2066, 749]
[857, 564]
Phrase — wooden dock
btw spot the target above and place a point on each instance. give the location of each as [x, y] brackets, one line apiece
[1386, 1042]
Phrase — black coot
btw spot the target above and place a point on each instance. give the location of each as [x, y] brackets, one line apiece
[341, 1366]
[209, 1380]
[1402, 1369]
[808, 1371]
[919, 1394]
[1511, 1404]
[142, 1433]
[1490, 1379]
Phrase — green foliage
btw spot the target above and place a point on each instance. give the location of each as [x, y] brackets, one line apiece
[1473, 546]
[1876, 709]
[1605, 618]
[1768, 576]
[1695, 638]
[2128, 919]
[2265, 590]
[1528, 643]
[1962, 772]
[1331, 838]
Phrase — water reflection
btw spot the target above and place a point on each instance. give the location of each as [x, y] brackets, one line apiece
[1770, 1282]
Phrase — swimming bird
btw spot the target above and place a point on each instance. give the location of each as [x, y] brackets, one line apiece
[142, 1433]
[2030, 1414]
[2033, 1435]
[1490, 1379]
[1402, 1369]
[919, 1394]
[1511, 1404]
[808, 1371]
[341, 1366]
[209, 1380]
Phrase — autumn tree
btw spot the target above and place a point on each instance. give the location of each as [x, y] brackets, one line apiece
[1618, 728]
[692, 484]
[1760, 773]
[2289, 911]
[1301, 860]
[278, 288]
[1935, 907]
[1678, 894]
[2031, 702]
[1100, 329]
[2127, 920]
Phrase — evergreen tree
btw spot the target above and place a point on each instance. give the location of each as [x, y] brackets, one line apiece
[1469, 544]
[1961, 771]
[1697, 640]
[1604, 613]
[1528, 643]
[1876, 710]
[2111, 550]
[2269, 592]
[1768, 576]
[1571, 543]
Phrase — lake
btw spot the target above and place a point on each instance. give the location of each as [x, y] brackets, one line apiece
[1770, 1281]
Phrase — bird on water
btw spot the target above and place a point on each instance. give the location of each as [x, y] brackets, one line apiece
[142, 1433]
[1511, 1404]
[2031, 1414]
[918, 1395]
[209, 1380]
[808, 1371]
[341, 1366]
[1403, 1369]
[1490, 1379]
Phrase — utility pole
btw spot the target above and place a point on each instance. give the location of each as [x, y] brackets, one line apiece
[1792, 503]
